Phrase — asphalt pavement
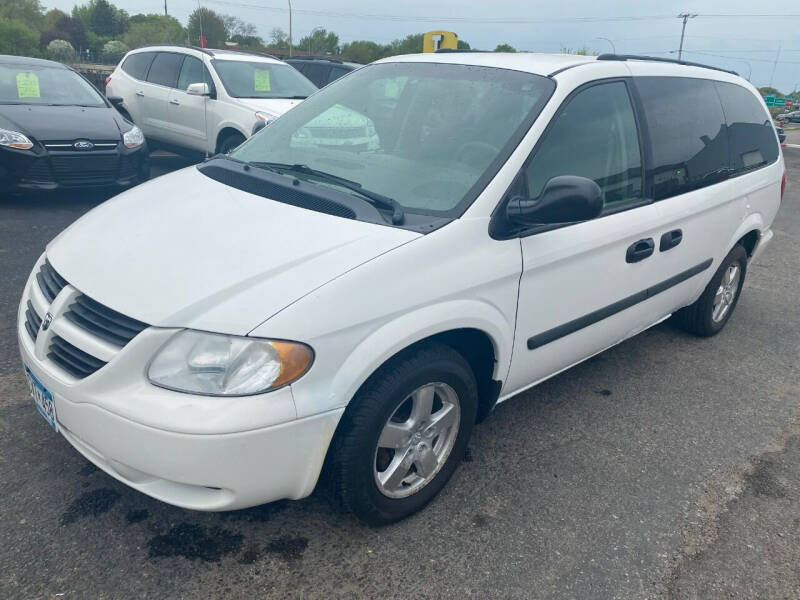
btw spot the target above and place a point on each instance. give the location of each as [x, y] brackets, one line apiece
[667, 467]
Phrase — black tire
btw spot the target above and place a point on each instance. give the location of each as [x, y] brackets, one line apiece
[353, 452]
[698, 318]
[230, 142]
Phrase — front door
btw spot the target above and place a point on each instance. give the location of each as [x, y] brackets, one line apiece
[189, 115]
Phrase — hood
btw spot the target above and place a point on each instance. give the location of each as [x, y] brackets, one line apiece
[62, 122]
[186, 251]
[275, 106]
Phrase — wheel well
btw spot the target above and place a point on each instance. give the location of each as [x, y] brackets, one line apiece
[749, 241]
[225, 133]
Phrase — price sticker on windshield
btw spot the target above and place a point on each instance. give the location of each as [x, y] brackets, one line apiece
[261, 80]
[27, 85]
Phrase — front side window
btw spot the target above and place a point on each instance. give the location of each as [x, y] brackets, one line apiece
[29, 84]
[253, 79]
[164, 70]
[688, 134]
[594, 136]
[750, 131]
[424, 134]
[192, 71]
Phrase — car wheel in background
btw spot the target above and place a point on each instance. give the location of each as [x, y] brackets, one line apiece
[708, 315]
[404, 434]
[230, 142]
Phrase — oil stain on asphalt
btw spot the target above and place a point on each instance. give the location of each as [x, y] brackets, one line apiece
[90, 504]
[288, 548]
[195, 542]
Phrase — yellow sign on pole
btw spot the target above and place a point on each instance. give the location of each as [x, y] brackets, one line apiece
[438, 40]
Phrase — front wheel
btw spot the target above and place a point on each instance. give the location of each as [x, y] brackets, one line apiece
[404, 434]
[711, 312]
[230, 143]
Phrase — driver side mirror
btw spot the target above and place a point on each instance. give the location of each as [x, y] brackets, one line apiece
[198, 89]
[565, 199]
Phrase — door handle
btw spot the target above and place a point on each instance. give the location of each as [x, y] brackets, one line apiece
[174, 102]
[139, 93]
[640, 250]
[670, 240]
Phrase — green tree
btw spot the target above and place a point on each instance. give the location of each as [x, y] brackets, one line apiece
[27, 12]
[363, 51]
[248, 42]
[17, 38]
[769, 91]
[61, 50]
[66, 28]
[213, 27]
[462, 45]
[234, 26]
[51, 17]
[149, 30]
[278, 39]
[584, 51]
[505, 48]
[102, 18]
[411, 44]
[114, 50]
[320, 41]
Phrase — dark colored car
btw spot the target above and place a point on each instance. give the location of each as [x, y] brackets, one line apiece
[57, 130]
[790, 117]
[322, 70]
[781, 133]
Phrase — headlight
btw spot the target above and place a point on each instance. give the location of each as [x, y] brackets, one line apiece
[265, 118]
[225, 365]
[133, 138]
[14, 139]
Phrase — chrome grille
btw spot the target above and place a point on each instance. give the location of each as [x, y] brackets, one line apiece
[103, 322]
[50, 282]
[68, 145]
[74, 361]
[32, 321]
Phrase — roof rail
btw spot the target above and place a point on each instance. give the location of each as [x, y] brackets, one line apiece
[660, 59]
[327, 58]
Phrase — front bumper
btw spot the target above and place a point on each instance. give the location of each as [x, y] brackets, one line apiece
[41, 169]
[196, 452]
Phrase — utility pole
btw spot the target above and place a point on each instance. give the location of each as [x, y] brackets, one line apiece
[685, 17]
[290, 28]
[165, 8]
[775, 65]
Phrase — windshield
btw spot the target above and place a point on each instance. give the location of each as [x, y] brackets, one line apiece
[427, 135]
[28, 84]
[253, 79]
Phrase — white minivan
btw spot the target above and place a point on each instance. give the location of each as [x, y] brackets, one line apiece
[203, 100]
[221, 336]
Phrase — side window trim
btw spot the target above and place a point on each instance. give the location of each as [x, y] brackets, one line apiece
[519, 184]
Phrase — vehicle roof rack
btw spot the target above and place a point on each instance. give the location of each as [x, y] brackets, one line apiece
[687, 63]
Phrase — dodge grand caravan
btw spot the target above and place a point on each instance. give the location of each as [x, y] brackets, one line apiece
[221, 336]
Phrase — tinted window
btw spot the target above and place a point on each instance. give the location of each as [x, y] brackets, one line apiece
[136, 65]
[164, 70]
[192, 72]
[318, 73]
[36, 84]
[750, 133]
[594, 136]
[689, 142]
[337, 72]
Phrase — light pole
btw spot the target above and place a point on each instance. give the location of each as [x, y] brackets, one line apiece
[290, 27]
[613, 48]
[685, 17]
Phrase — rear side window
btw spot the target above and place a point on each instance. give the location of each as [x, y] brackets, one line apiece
[337, 72]
[688, 134]
[752, 140]
[594, 136]
[164, 70]
[136, 65]
[317, 73]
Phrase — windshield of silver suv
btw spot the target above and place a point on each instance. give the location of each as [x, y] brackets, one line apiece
[252, 79]
[55, 86]
[426, 136]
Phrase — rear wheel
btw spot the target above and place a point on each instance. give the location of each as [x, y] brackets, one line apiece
[404, 434]
[230, 142]
[711, 312]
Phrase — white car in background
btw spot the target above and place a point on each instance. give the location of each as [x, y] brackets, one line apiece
[203, 100]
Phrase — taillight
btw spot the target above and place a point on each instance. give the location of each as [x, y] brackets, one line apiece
[783, 185]
[108, 80]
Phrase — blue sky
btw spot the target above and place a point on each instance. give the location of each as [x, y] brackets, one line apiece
[748, 45]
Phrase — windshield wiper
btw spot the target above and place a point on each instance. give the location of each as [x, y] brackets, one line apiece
[374, 198]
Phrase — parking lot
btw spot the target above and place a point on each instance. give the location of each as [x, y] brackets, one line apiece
[668, 466]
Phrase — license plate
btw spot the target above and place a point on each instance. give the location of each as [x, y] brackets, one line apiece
[43, 399]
